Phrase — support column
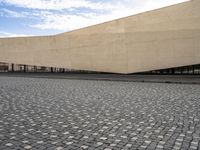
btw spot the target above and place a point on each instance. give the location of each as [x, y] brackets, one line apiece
[173, 71]
[35, 69]
[25, 69]
[181, 70]
[12, 68]
[193, 69]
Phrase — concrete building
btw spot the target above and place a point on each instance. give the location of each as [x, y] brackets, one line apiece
[156, 40]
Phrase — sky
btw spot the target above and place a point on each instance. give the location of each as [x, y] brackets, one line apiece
[48, 17]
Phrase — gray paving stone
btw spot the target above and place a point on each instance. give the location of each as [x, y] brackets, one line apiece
[74, 114]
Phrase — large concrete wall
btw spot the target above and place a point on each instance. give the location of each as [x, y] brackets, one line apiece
[159, 39]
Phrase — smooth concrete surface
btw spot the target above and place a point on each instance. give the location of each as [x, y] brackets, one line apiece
[163, 38]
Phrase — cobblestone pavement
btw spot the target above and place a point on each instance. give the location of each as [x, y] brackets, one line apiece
[73, 114]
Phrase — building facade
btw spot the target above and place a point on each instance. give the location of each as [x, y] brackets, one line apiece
[158, 41]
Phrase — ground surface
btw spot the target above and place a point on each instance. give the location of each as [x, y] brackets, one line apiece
[77, 114]
[183, 79]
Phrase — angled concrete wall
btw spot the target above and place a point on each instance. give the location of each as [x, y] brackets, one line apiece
[159, 39]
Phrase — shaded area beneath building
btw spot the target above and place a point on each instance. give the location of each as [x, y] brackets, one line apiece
[176, 79]
[182, 70]
[181, 75]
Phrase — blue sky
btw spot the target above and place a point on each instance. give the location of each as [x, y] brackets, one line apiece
[47, 17]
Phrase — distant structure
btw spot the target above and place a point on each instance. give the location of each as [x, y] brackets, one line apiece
[165, 40]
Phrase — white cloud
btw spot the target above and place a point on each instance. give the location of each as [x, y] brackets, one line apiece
[66, 15]
[10, 13]
[7, 34]
[67, 4]
[66, 22]
[57, 4]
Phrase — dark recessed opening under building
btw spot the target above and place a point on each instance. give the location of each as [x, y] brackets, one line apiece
[185, 70]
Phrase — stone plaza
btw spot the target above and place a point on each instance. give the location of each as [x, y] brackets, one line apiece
[98, 115]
